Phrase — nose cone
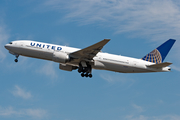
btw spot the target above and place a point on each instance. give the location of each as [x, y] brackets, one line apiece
[7, 46]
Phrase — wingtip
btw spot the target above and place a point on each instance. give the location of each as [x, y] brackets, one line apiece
[107, 39]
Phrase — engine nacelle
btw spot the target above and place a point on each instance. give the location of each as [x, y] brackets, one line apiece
[66, 67]
[60, 57]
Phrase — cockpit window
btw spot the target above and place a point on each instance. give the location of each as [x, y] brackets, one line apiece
[10, 43]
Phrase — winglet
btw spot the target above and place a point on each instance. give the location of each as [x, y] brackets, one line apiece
[159, 54]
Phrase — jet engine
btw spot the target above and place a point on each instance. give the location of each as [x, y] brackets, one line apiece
[67, 67]
[60, 57]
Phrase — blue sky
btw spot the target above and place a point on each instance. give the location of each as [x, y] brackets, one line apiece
[34, 89]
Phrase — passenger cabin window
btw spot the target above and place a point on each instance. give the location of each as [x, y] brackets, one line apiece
[10, 43]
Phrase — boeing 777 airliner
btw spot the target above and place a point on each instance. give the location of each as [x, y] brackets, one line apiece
[91, 57]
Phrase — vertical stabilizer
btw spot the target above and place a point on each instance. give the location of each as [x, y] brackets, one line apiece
[159, 54]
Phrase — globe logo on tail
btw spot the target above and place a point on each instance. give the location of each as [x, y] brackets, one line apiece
[154, 56]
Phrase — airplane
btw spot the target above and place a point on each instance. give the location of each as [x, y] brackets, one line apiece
[84, 60]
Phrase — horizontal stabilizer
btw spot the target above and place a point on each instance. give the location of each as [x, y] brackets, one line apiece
[160, 65]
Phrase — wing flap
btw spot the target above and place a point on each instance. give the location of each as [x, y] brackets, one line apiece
[160, 65]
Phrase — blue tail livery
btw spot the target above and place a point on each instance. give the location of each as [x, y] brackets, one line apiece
[159, 54]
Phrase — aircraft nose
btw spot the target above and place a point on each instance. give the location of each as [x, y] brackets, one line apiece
[6, 46]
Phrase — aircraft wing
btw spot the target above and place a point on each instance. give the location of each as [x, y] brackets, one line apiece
[160, 65]
[89, 52]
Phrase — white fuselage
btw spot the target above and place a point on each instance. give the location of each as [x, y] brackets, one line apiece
[103, 61]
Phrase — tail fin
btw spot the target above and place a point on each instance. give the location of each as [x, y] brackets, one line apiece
[159, 54]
